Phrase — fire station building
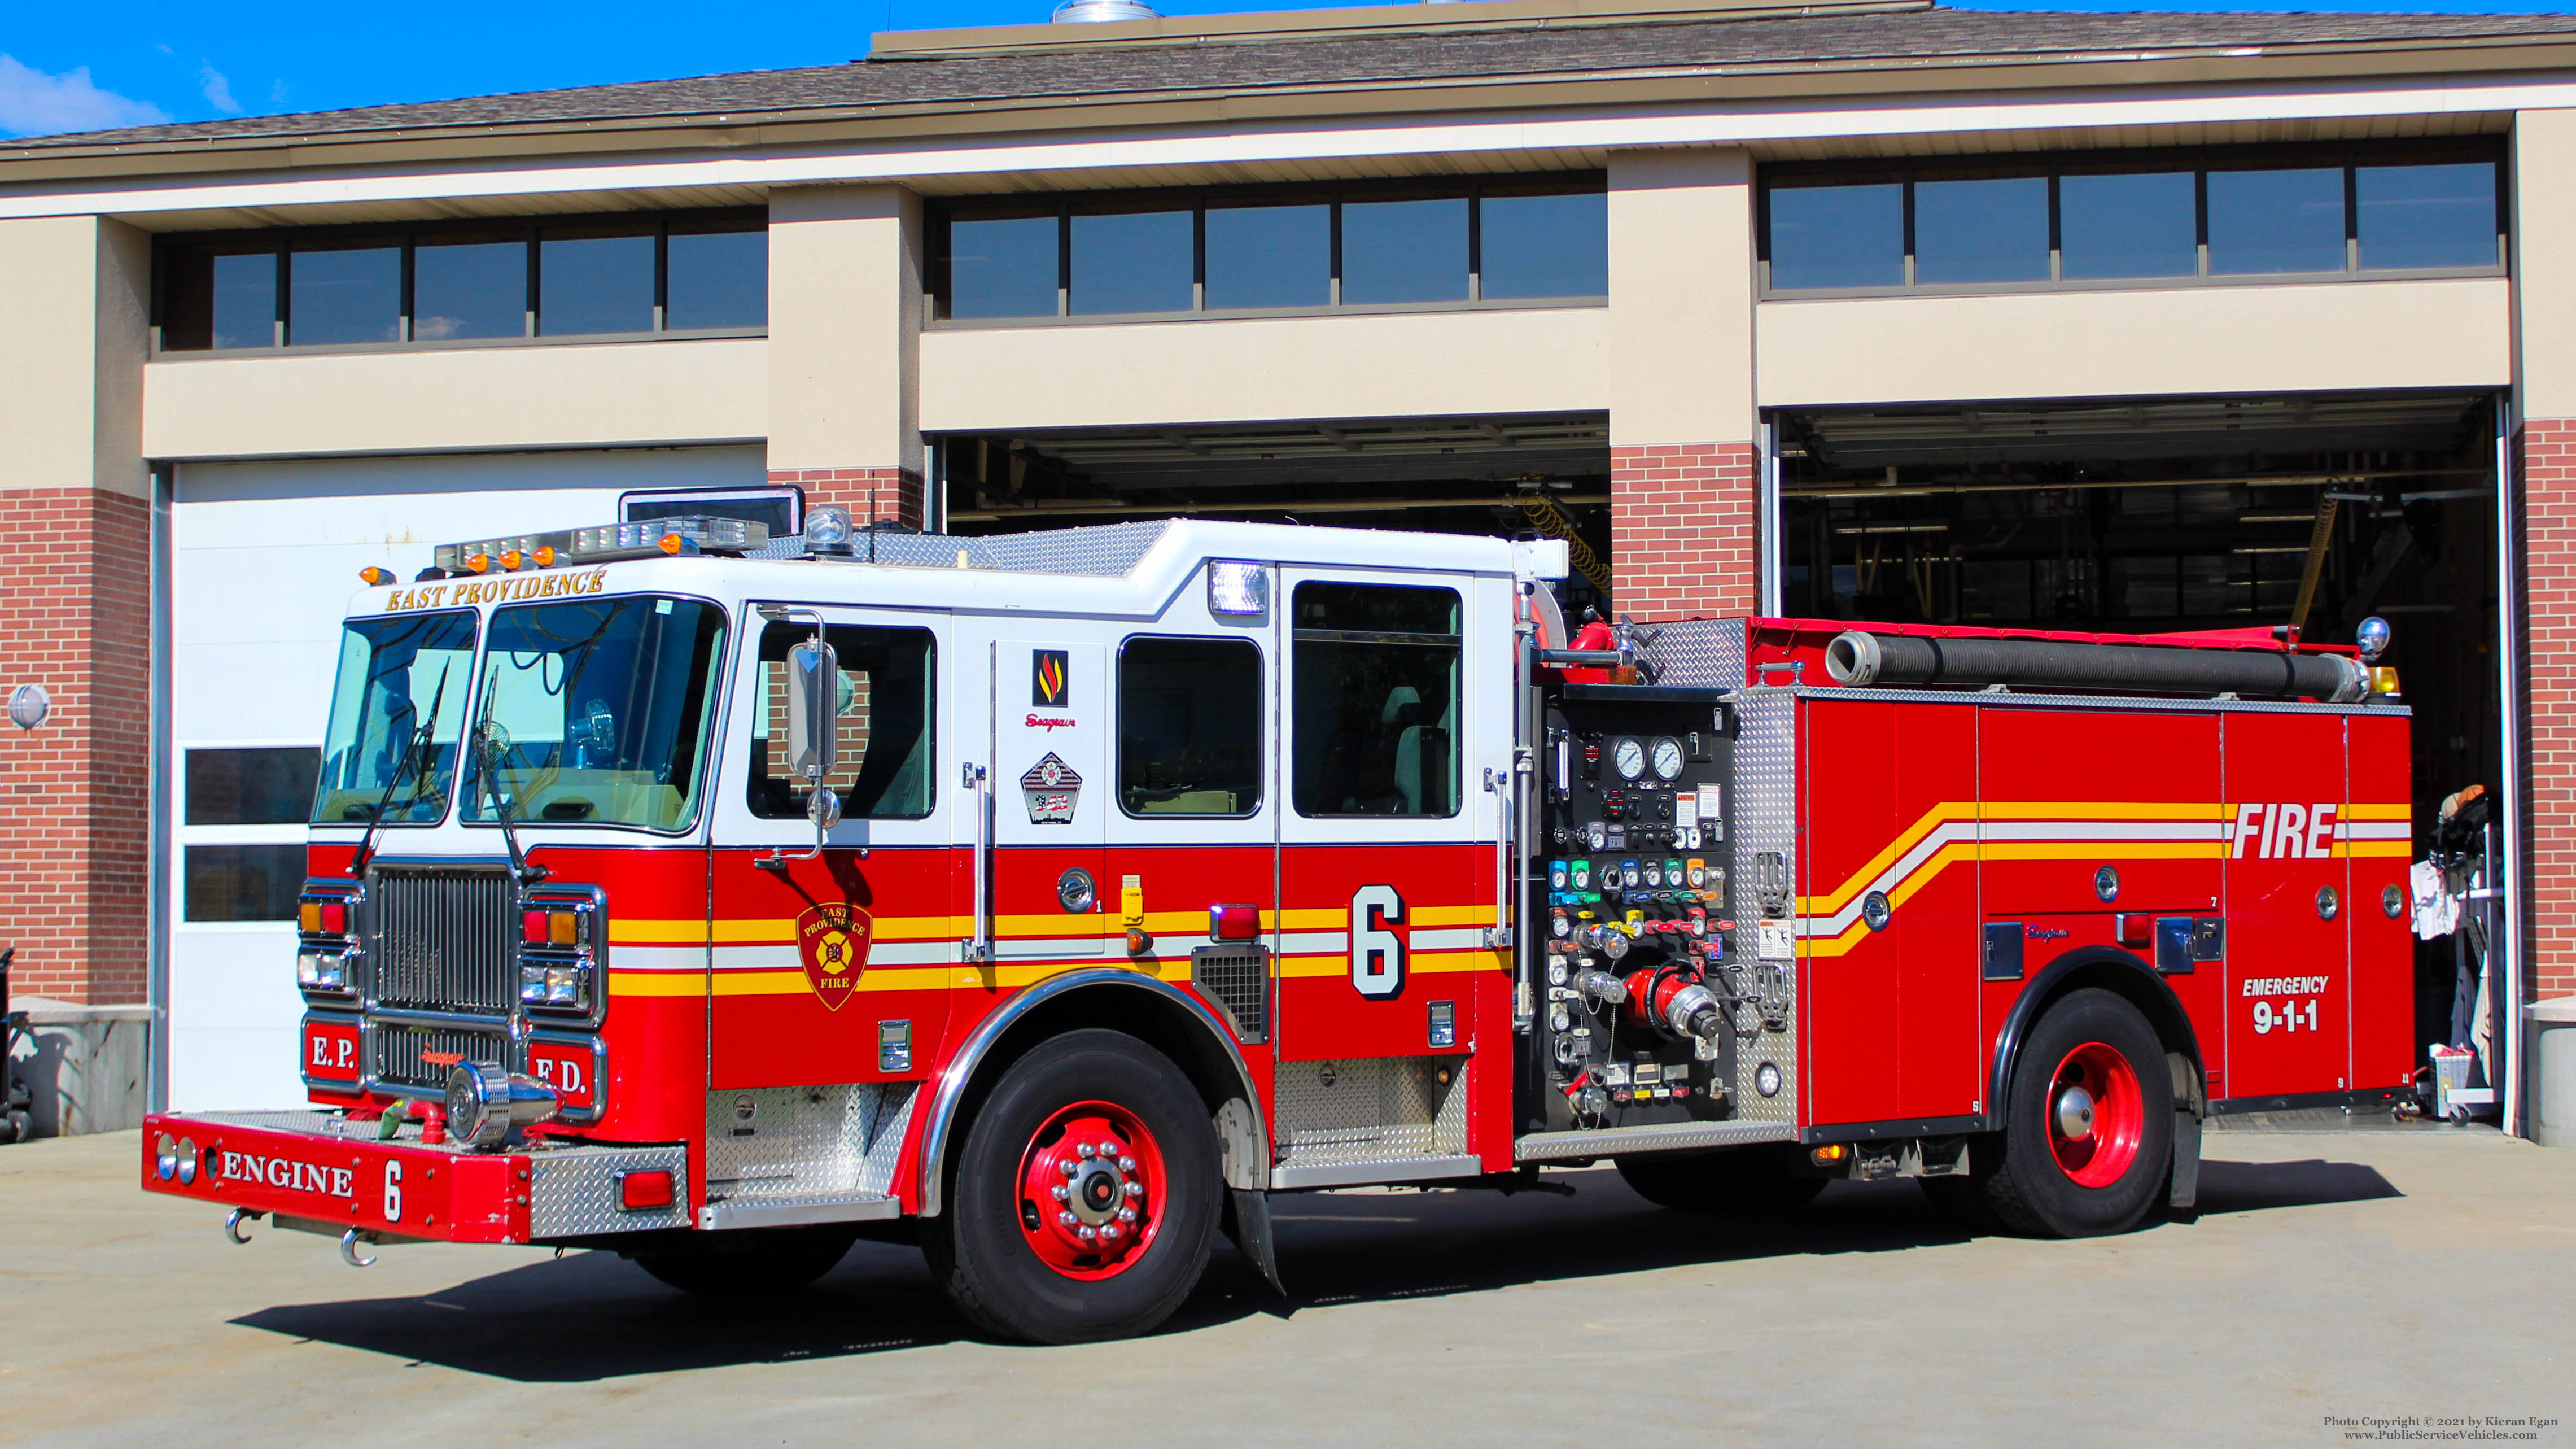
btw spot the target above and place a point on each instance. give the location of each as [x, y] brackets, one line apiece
[2115, 322]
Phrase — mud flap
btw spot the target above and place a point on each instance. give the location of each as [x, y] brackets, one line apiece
[1247, 1221]
[2186, 1162]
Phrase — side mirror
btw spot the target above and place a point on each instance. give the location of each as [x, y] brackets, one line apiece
[813, 710]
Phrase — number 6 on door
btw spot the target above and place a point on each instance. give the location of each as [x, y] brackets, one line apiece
[1377, 954]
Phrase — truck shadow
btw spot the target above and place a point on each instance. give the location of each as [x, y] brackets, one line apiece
[592, 1316]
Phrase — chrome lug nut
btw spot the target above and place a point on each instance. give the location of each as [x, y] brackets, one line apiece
[1089, 1233]
[1126, 1215]
[1068, 1167]
[1082, 1149]
[1063, 1193]
[1126, 1164]
[1110, 1232]
[1135, 1189]
[1065, 1218]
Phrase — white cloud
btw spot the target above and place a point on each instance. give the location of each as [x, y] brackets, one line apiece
[219, 91]
[33, 103]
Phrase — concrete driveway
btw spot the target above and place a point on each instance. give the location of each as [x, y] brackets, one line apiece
[2362, 1275]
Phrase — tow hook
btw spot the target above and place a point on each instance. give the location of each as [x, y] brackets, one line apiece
[236, 1220]
[349, 1242]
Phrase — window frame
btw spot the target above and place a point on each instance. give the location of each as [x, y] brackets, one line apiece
[1118, 746]
[1295, 633]
[530, 231]
[1198, 201]
[2200, 161]
[754, 647]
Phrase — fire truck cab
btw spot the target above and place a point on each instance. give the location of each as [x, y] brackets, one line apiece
[1056, 898]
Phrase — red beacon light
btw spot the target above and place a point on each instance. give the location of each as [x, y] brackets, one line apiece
[1234, 923]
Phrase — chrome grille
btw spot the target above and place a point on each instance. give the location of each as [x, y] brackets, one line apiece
[394, 1053]
[441, 940]
[1237, 979]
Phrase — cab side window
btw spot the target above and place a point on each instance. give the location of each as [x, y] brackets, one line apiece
[1189, 727]
[1375, 689]
[882, 770]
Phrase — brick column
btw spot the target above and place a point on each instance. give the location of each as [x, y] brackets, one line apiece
[2545, 451]
[1682, 530]
[75, 792]
[1682, 471]
[844, 338]
[869, 493]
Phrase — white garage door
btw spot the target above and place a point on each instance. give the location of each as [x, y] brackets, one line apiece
[264, 557]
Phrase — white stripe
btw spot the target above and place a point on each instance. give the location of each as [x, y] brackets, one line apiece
[1314, 943]
[1462, 938]
[657, 958]
[887, 953]
[2376, 830]
[1244, 141]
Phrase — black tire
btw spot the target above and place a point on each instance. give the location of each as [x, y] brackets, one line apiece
[977, 1248]
[2025, 1185]
[1739, 1182]
[749, 1266]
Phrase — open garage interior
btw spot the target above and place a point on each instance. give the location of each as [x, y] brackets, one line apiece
[1509, 476]
[2153, 516]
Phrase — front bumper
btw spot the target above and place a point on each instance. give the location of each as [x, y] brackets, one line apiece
[321, 1167]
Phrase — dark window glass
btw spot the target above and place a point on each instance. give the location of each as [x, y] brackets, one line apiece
[1002, 267]
[596, 712]
[718, 279]
[344, 293]
[2276, 221]
[780, 510]
[1189, 727]
[1132, 261]
[219, 297]
[1376, 700]
[2426, 216]
[1404, 251]
[240, 882]
[1990, 229]
[1838, 236]
[468, 284]
[589, 284]
[1269, 256]
[1545, 246]
[2127, 226]
[251, 787]
[397, 675]
[882, 764]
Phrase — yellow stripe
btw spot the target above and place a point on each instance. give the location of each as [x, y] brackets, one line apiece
[2107, 850]
[2361, 811]
[1041, 926]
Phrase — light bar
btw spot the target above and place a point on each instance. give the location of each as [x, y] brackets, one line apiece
[607, 543]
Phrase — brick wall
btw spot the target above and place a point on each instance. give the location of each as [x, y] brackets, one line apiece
[896, 492]
[75, 793]
[2547, 454]
[1681, 530]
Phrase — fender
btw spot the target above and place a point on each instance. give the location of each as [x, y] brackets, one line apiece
[2175, 1021]
[961, 1069]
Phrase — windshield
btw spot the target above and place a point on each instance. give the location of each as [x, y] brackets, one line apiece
[391, 673]
[597, 712]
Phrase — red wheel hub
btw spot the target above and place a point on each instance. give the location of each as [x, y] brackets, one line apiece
[1091, 1190]
[2097, 1115]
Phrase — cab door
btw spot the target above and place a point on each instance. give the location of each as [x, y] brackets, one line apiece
[1397, 704]
[1048, 746]
[834, 967]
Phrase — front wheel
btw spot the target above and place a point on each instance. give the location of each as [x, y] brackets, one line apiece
[748, 1266]
[1086, 1195]
[2088, 1127]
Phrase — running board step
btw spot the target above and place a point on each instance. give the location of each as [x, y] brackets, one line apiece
[1611, 1141]
[1291, 1176]
[789, 1212]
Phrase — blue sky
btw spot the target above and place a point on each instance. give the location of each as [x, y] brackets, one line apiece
[70, 67]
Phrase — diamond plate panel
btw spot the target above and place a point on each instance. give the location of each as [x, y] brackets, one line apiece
[800, 1141]
[1698, 653]
[1765, 821]
[573, 1192]
[1370, 1110]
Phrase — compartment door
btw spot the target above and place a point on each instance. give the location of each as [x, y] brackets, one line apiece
[1051, 791]
[2288, 970]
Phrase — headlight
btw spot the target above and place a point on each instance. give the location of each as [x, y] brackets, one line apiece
[321, 971]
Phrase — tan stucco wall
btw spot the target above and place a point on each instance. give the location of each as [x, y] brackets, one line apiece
[1681, 296]
[844, 313]
[2544, 233]
[72, 338]
[2316, 336]
[1257, 370]
[466, 399]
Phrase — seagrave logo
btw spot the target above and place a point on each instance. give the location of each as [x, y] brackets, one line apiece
[832, 942]
[1050, 678]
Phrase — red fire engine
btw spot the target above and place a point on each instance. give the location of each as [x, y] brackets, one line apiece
[1056, 899]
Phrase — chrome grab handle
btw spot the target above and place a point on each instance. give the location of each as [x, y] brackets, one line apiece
[1498, 936]
[979, 798]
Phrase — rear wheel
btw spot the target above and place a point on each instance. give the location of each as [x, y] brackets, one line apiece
[2088, 1127]
[1085, 1196]
[749, 1265]
[1743, 1181]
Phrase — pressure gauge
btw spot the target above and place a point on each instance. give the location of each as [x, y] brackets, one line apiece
[1629, 755]
[1597, 835]
[1668, 758]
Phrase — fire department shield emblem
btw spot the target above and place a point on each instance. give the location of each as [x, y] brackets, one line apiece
[1052, 791]
[832, 941]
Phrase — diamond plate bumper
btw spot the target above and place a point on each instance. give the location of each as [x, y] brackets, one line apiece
[321, 1167]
